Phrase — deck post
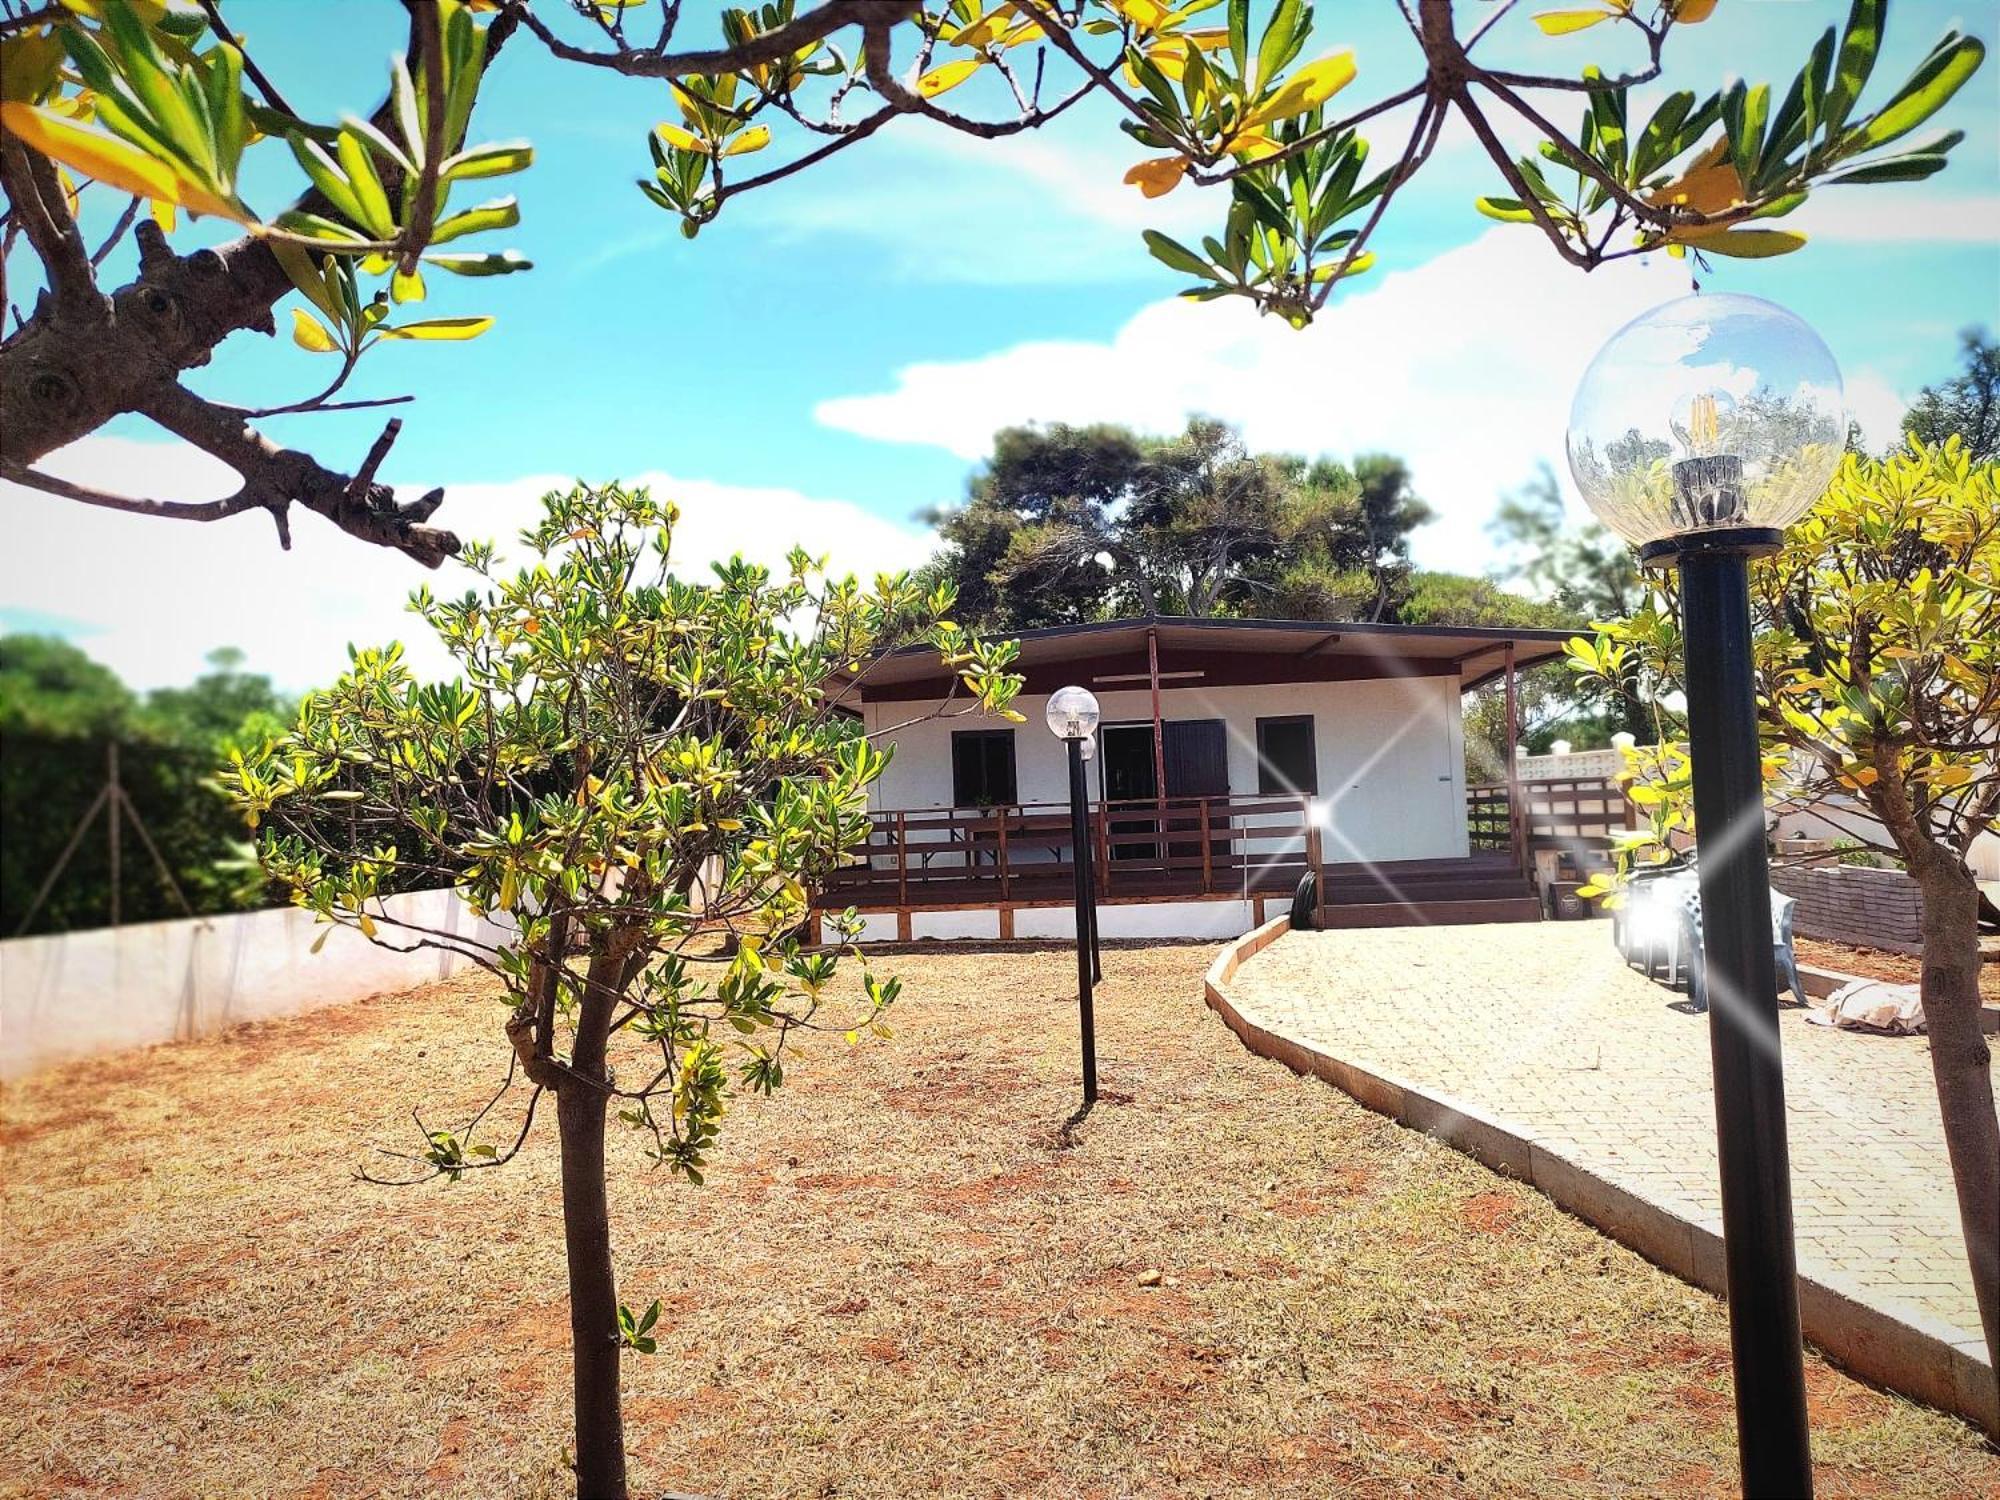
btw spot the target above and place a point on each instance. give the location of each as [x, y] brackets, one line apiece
[1159, 734]
[902, 861]
[1315, 860]
[1002, 815]
[1517, 840]
[1207, 854]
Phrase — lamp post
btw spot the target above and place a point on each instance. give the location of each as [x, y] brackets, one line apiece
[1089, 753]
[1072, 717]
[1700, 431]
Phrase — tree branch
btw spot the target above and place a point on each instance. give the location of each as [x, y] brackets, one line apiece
[276, 477]
[773, 46]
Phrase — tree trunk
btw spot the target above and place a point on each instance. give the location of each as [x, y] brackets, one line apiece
[1961, 1063]
[593, 1294]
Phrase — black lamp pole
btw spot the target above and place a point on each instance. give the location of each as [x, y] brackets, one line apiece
[1090, 882]
[1774, 1447]
[1086, 922]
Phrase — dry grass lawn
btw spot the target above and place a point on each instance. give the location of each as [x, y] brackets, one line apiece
[906, 1276]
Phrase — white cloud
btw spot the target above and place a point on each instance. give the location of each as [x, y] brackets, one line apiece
[152, 597]
[1898, 215]
[1465, 365]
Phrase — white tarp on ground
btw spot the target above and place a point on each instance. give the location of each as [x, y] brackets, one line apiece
[80, 994]
[1873, 1005]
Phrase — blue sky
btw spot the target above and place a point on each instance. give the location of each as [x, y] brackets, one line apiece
[832, 355]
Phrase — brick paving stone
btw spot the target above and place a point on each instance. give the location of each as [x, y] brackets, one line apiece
[1543, 1028]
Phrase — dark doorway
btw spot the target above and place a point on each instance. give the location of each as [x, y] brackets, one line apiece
[1127, 753]
[1196, 752]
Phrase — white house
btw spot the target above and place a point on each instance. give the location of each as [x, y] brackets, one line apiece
[1234, 757]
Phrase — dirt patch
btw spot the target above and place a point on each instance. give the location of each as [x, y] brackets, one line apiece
[1879, 963]
[911, 1272]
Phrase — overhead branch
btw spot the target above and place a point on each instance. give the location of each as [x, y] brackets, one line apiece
[770, 47]
[276, 477]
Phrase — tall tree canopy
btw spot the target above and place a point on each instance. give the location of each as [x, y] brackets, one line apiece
[1068, 523]
[1967, 406]
[161, 101]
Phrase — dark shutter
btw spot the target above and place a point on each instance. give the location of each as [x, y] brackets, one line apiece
[1287, 763]
[1197, 755]
[982, 768]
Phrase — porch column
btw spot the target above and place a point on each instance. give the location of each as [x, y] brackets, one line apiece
[1516, 824]
[1159, 735]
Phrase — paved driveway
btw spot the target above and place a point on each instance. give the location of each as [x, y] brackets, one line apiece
[1541, 1027]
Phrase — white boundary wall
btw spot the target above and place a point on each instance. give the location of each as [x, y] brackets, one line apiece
[81, 994]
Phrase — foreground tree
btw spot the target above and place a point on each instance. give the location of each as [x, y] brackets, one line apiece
[636, 779]
[1878, 657]
[161, 100]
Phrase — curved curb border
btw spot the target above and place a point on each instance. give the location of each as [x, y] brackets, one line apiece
[1916, 1359]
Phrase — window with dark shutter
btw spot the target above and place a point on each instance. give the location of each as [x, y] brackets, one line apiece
[982, 768]
[1287, 763]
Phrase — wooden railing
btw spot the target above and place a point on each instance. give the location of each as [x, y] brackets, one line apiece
[1184, 846]
[1488, 817]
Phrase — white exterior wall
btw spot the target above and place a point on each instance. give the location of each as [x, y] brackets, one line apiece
[1390, 751]
[79, 994]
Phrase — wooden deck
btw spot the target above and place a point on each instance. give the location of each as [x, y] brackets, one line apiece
[1189, 849]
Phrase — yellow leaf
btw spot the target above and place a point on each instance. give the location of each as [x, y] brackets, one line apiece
[450, 329]
[1693, 12]
[309, 333]
[1709, 186]
[949, 76]
[1745, 244]
[1158, 176]
[28, 65]
[756, 138]
[1563, 22]
[1144, 14]
[1312, 85]
[1254, 145]
[164, 215]
[1170, 53]
[95, 153]
[1949, 776]
[366, 923]
[685, 140]
[983, 30]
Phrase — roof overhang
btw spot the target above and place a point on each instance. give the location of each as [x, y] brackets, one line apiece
[1112, 654]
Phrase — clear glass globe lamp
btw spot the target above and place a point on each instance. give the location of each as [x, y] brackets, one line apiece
[1072, 713]
[1711, 422]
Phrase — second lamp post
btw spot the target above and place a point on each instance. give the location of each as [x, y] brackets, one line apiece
[1072, 717]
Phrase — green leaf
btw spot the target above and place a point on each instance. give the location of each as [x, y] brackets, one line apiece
[1857, 60]
[366, 185]
[464, 263]
[406, 286]
[450, 329]
[1173, 253]
[1912, 168]
[327, 177]
[1928, 90]
[501, 213]
[1506, 210]
[495, 160]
